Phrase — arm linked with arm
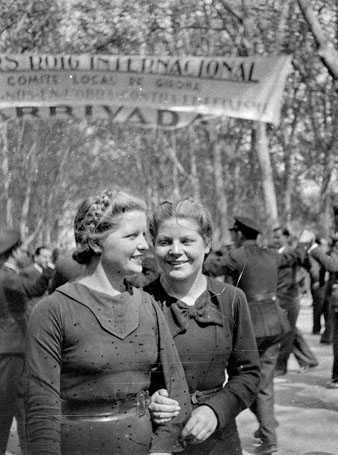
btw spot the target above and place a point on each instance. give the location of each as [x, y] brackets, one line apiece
[166, 436]
[243, 367]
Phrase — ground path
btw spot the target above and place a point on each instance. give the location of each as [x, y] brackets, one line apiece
[307, 412]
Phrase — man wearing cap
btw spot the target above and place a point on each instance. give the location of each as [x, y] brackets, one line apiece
[254, 270]
[14, 294]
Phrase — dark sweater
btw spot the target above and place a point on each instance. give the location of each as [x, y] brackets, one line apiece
[88, 346]
[219, 339]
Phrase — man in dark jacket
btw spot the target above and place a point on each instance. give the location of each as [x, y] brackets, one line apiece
[318, 285]
[15, 291]
[254, 270]
[330, 263]
[288, 298]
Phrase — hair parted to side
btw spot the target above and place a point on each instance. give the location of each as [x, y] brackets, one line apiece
[99, 214]
[184, 208]
[38, 249]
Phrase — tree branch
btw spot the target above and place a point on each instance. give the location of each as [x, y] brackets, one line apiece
[326, 50]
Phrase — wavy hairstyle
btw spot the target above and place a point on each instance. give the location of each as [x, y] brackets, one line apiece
[97, 216]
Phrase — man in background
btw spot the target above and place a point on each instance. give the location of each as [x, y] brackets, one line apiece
[15, 291]
[254, 270]
[41, 259]
[288, 298]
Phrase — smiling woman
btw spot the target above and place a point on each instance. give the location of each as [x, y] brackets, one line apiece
[212, 330]
[96, 345]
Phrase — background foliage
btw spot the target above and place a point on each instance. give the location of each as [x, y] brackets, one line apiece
[48, 167]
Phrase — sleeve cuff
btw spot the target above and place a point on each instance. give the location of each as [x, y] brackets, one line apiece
[223, 413]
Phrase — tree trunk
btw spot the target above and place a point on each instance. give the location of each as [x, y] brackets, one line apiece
[29, 239]
[31, 165]
[326, 49]
[193, 169]
[326, 225]
[220, 193]
[175, 181]
[289, 184]
[262, 145]
[326, 192]
[175, 172]
[267, 176]
[6, 177]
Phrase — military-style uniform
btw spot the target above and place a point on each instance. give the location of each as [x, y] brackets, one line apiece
[14, 294]
[255, 271]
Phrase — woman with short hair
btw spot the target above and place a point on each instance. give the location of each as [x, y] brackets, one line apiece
[212, 329]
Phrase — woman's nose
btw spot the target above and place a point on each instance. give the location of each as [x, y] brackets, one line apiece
[175, 248]
[143, 245]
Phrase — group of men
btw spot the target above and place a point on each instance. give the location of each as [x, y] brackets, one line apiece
[268, 276]
[20, 288]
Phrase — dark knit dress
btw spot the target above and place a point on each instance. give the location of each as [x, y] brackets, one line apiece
[88, 352]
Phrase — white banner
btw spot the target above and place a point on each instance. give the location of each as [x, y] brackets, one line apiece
[166, 92]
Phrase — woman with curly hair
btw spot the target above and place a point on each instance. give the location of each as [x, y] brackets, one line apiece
[95, 346]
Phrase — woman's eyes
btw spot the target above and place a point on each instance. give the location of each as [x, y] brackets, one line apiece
[169, 242]
[132, 236]
[187, 241]
[162, 242]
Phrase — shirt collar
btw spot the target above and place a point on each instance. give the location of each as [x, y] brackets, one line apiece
[38, 267]
[11, 266]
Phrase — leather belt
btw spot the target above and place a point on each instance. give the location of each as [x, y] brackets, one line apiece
[102, 411]
[261, 297]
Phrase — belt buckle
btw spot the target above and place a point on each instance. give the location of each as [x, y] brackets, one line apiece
[142, 403]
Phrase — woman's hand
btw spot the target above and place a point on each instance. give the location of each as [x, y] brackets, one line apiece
[201, 425]
[162, 408]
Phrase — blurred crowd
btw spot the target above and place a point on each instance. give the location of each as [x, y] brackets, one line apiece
[307, 265]
[310, 277]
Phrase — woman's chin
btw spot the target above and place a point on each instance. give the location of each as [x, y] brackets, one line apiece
[133, 270]
[177, 275]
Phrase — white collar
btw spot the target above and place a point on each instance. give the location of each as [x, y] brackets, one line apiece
[11, 266]
[38, 267]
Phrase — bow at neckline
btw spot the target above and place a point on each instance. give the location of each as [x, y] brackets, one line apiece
[202, 311]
